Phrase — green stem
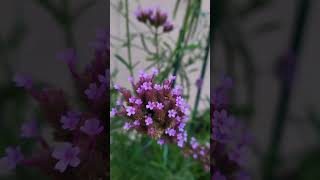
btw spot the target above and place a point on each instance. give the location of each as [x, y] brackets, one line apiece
[203, 71]
[156, 39]
[181, 40]
[285, 95]
[128, 38]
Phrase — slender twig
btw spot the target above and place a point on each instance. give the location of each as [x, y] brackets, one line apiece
[181, 40]
[203, 71]
[128, 38]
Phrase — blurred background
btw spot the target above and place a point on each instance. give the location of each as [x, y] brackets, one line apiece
[253, 38]
[31, 35]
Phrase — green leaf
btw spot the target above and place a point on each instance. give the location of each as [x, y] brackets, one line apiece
[165, 154]
[124, 62]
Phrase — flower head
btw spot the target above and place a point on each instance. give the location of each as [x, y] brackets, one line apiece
[131, 111]
[155, 111]
[70, 120]
[148, 121]
[67, 155]
[92, 127]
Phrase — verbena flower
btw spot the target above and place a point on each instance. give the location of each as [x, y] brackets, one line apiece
[67, 155]
[155, 111]
[81, 132]
[154, 17]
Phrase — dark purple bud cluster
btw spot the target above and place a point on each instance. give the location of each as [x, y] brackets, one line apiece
[80, 138]
[158, 110]
[154, 17]
[199, 152]
[229, 140]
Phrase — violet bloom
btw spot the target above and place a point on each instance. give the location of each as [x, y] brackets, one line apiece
[13, 158]
[170, 132]
[94, 92]
[132, 99]
[136, 123]
[116, 87]
[177, 91]
[119, 102]
[148, 121]
[22, 81]
[130, 79]
[160, 106]
[194, 143]
[158, 18]
[130, 111]
[138, 102]
[150, 105]
[113, 112]
[167, 27]
[157, 87]
[143, 14]
[160, 141]
[30, 129]
[66, 155]
[172, 78]
[146, 86]
[199, 83]
[127, 126]
[172, 113]
[155, 71]
[92, 127]
[71, 120]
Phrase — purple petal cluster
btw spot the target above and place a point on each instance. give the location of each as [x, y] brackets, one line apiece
[154, 17]
[156, 109]
[229, 138]
[67, 155]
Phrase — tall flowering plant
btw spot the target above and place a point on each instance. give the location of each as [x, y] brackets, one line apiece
[79, 148]
[153, 115]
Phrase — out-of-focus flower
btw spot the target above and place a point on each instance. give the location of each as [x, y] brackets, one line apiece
[30, 129]
[229, 137]
[154, 17]
[23, 81]
[168, 26]
[92, 127]
[199, 83]
[67, 155]
[69, 126]
[13, 157]
[70, 120]
[157, 113]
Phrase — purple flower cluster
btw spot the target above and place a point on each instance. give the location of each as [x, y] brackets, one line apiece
[154, 17]
[229, 139]
[199, 152]
[79, 134]
[158, 110]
